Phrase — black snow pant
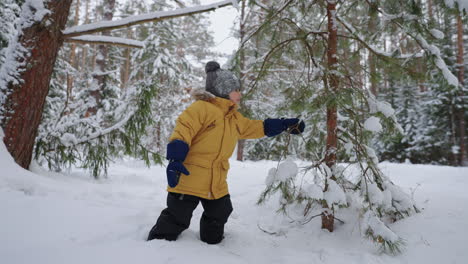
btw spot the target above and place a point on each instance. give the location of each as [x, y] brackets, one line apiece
[176, 217]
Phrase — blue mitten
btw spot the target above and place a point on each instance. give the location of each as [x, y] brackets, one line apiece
[273, 127]
[294, 125]
[176, 153]
[173, 172]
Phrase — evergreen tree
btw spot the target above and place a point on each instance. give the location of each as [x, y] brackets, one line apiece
[297, 41]
[134, 121]
[9, 12]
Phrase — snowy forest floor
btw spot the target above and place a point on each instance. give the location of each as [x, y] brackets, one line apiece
[70, 218]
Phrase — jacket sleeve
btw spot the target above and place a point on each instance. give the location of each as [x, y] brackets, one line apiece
[189, 123]
[249, 129]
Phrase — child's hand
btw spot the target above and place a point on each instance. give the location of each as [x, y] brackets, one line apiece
[274, 127]
[173, 171]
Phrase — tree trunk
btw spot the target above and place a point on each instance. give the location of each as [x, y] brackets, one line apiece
[72, 55]
[241, 143]
[461, 72]
[430, 12]
[84, 63]
[25, 101]
[101, 62]
[332, 86]
[125, 71]
[373, 16]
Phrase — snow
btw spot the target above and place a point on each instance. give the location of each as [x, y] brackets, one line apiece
[37, 9]
[68, 139]
[69, 218]
[94, 38]
[334, 194]
[437, 33]
[380, 106]
[286, 170]
[440, 63]
[313, 191]
[131, 20]
[373, 124]
[385, 108]
[372, 222]
[376, 196]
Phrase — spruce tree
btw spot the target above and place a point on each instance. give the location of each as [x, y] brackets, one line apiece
[298, 38]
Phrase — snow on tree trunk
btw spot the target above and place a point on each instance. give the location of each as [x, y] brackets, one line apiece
[24, 79]
[333, 83]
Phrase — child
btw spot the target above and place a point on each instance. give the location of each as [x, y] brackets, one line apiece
[204, 138]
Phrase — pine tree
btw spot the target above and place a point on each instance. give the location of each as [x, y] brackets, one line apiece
[9, 12]
[340, 81]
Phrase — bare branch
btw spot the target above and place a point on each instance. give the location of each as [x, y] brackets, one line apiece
[91, 39]
[140, 19]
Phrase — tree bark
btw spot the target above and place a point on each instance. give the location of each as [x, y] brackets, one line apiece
[461, 74]
[332, 84]
[26, 99]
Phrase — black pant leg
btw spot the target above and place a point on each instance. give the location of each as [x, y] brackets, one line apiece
[175, 218]
[214, 217]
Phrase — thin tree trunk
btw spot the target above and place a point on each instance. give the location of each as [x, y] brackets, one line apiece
[332, 86]
[241, 143]
[85, 48]
[461, 72]
[26, 99]
[373, 15]
[126, 67]
[430, 12]
[72, 56]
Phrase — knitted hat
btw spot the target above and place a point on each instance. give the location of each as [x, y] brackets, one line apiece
[220, 82]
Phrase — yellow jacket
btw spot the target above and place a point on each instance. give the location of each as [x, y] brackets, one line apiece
[211, 127]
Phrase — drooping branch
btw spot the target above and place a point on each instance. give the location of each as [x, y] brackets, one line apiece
[92, 39]
[140, 19]
[374, 50]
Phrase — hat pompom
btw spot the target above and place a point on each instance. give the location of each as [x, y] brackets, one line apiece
[212, 66]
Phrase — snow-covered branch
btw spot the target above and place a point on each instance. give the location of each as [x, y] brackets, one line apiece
[140, 19]
[440, 63]
[92, 39]
[372, 48]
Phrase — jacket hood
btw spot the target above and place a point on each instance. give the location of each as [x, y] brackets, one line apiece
[202, 94]
[224, 104]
